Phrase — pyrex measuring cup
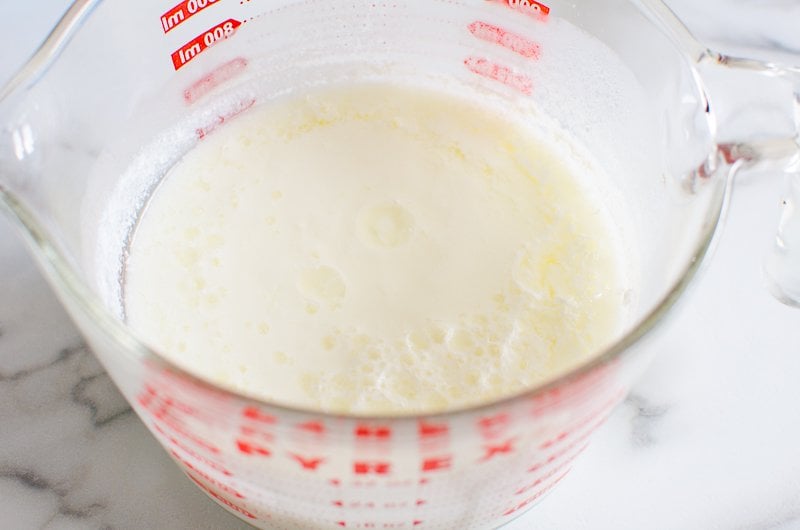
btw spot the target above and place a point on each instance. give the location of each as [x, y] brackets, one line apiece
[118, 79]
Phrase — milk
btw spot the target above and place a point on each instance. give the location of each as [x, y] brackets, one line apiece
[376, 249]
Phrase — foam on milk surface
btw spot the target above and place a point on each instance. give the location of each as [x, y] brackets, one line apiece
[374, 249]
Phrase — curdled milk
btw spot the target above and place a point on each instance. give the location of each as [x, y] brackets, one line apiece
[375, 249]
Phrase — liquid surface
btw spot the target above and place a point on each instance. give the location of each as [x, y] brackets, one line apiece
[374, 249]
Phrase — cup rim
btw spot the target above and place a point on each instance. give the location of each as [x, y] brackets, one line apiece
[77, 295]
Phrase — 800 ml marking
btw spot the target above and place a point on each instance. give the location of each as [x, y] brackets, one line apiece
[497, 35]
[194, 47]
[183, 12]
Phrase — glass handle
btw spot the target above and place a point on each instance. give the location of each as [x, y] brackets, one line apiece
[774, 147]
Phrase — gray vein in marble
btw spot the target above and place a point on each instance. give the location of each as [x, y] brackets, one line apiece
[69, 383]
[32, 480]
[646, 417]
[92, 392]
[63, 355]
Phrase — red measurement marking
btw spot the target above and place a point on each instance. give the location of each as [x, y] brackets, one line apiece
[199, 44]
[543, 478]
[222, 499]
[207, 477]
[593, 419]
[252, 413]
[151, 396]
[529, 7]
[535, 496]
[436, 463]
[181, 431]
[364, 468]
[316, 427]
[497, 449]
[306, 462]
[362, 504]
[335, 482]
[491, 423]
[202, 132]
[250, 448]
[381, 432]
[254, 432]
[375, 525]
[147, 395]
[553, 441]
[430, 430]
[169, 384]
[200, 458]
[183, 12]
[561, 452]
[596, 382]
[210, 81]
[503, 74]
[497, 35]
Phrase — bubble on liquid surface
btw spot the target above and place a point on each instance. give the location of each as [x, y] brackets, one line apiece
[529, 272]
[322, 284]
[387, 225]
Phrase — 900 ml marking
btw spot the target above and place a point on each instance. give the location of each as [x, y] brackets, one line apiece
[531, 5]
[528, 7]
[194, 47]
[183, 12]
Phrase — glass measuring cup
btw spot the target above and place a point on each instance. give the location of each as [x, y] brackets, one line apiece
[474, 468]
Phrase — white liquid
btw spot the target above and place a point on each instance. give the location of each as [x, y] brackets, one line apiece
[374, 249]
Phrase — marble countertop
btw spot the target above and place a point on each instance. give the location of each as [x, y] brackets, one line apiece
[708, 439]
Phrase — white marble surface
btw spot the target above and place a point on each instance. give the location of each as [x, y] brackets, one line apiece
[709, 439]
